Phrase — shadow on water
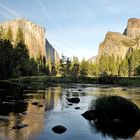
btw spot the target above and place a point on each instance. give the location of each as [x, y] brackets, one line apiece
[113, 116]
[11, 99]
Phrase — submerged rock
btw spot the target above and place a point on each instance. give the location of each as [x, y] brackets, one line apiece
[124, 89]
[39, 105]
[79, 89]
[19, 126]
[59, 129]
[35, 103]
[73, 100]
[77, 107]
[70, 104]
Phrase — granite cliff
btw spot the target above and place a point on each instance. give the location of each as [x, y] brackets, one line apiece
[118, 44]
[34, 37]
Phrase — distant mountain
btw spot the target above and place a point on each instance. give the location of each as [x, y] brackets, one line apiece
[35, 38]
[118, 44]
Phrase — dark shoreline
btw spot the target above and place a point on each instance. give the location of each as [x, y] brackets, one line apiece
[41, 82]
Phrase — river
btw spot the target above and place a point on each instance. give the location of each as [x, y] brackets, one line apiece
[54, 109]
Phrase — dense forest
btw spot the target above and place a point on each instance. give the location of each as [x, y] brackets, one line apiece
[16, 62]
[104, 66]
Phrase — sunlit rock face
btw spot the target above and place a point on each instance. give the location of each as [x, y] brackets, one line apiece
[34, 35]
[133, 27]
[118, 44]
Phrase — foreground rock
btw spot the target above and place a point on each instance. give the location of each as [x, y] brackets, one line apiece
[59, 129]
[73, 100]
[114, 115]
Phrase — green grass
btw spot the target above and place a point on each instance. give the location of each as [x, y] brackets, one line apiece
[44, 81]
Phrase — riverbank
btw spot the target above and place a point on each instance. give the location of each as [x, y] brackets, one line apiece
[41, 81]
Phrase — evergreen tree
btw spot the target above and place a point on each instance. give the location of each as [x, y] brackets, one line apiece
[21, 59]
[53, 71]
[63, 65]
[6, 59]
[75, 67]
[9, 35]
[112, 65]
[91, 69]
[103, 65]
[68, 67]
[19, 36]
[84, 68]
[123, 68]
[2, 33]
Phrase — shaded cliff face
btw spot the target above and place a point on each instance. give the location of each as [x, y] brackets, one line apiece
[118, 44]
[52, 54]
[34, 36]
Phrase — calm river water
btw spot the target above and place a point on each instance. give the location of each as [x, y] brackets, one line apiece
[55, 110]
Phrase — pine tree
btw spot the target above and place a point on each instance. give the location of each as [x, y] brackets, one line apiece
[63, 65]
[9, 35]
[68, 67]
[75, 67]
[2, 33]
[112, 65]
[19, 36]
[123, 68]
[84, 68]
[21, 59]
[103, 65]
[6, 59]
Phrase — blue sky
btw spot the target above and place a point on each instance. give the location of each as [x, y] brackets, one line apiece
[74, 27]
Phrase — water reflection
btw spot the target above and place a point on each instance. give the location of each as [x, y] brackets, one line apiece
[55, 110]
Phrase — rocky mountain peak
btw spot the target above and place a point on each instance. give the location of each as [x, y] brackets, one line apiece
[34, 35]
[133, 27]
[118, 44]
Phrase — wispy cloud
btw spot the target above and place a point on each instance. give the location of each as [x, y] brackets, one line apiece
[6, 11]
[46, 13]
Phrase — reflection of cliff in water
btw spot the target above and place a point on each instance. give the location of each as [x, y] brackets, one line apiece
[52, 97]
[34, 116]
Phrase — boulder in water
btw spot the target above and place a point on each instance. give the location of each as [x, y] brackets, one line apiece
[114, 115]
[59, 129]
[73, 100]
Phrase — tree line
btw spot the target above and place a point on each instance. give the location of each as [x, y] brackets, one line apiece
[16, 62]
[104, 66]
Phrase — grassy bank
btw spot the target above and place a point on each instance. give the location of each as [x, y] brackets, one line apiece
[50, 80]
